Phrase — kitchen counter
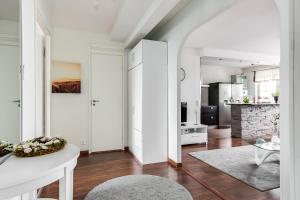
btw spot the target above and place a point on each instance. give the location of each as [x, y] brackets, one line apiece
[250, 121]
[253, 104]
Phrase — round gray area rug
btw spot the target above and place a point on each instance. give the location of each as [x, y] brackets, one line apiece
[139, 187]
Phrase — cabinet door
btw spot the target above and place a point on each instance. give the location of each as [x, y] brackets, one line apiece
[130, 109]
[138, 85]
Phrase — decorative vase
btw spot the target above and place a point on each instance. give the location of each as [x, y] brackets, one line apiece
[276, 136]
[275, 140]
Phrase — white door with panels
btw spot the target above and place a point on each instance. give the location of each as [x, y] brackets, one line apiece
[10, 90]
[107, 102]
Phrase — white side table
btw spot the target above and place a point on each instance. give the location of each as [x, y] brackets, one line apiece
[193, 134]
[21, 177]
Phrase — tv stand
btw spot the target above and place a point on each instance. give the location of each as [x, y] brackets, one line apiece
[193, 134]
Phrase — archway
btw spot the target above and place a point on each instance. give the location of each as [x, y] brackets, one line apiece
[212, 53]
[175, 33]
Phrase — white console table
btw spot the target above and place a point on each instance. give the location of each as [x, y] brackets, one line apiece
[21, 177]
[193, 134]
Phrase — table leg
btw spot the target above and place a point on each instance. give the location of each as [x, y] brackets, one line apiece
[66, 185]
[259, 159]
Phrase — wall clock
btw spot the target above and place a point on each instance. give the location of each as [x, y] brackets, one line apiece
[182, 74]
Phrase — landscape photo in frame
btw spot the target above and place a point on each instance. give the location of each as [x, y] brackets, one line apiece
[66, 77]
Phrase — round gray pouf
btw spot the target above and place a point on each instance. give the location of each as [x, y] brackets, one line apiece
[139, 187]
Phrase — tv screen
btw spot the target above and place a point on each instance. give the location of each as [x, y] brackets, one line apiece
[183, 112]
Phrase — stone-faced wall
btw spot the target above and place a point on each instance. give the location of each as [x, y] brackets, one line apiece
[250, 121]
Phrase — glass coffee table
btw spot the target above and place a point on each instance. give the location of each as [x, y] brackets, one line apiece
[265, 149]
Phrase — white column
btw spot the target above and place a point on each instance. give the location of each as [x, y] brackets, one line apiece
[289, 99]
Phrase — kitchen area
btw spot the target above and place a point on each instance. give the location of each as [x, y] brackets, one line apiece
[245, 101]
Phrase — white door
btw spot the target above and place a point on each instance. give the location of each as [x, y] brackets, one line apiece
[10, 93]
[106, 103]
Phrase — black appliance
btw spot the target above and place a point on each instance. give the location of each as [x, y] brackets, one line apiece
[209, 115]
[183, 112]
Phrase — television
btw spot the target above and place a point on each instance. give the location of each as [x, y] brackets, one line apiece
[183, 112]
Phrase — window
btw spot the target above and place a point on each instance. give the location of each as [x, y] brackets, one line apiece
[266, 83]
[267, 88]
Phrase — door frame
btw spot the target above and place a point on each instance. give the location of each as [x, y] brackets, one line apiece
[47, 71]
[114, 51]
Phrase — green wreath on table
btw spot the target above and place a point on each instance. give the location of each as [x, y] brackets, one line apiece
[39, 146]
[5, 148]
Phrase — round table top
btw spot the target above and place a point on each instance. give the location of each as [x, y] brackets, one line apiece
[269, 146]
[16, 171]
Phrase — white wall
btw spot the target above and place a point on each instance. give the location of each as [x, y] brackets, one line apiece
[213, 74]
[11, 28]
[175, 32]
[190, 87]
[70, 112]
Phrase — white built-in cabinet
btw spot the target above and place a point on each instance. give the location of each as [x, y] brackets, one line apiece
[147, 101]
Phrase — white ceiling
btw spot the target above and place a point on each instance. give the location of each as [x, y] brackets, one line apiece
[130, 14]
[115, 17]
[9, 10]
[250, 26]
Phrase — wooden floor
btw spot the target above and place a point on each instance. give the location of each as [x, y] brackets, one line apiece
[203, 181]
[223, 185]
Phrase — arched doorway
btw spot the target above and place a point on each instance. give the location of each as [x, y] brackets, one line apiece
[232, 43]
[175, 33]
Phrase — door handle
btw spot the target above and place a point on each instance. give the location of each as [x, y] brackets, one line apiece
[18, 102]
[94, 102]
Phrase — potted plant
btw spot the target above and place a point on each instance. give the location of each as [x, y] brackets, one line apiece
[246, 100]
[276, 96]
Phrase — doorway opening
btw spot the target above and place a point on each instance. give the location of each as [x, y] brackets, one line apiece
[230, 77]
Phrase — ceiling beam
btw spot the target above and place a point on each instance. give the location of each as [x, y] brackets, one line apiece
[156, 12]
[261, 58]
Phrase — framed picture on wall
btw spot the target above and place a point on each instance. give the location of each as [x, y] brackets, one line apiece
[66, 77]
